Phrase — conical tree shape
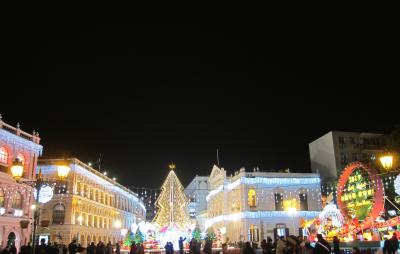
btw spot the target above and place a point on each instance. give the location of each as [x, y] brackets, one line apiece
[172, 203]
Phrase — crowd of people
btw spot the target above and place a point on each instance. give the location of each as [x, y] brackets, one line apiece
[282, 245]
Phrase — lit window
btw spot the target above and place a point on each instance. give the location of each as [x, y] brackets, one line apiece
[3, 155]
[58, 214]
[1, 198]
[253, 234]
[251, 199]
[21, 158]
[17, 201]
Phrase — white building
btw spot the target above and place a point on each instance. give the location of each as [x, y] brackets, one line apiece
[330, 153]
[196, 192]
[89, 206]
[250, 206]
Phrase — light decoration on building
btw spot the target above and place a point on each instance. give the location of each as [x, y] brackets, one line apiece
[2, 210]
[259, 215]
[112, 186]
[46, 194]
[397, 185]
[266, 182]
[172, 204]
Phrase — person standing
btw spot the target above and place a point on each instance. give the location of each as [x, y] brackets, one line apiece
[322, 246]
[224, 248]
[91, 249]
[117, 248]
[72, 247]
[181, 240]
[109, 249]
[336, 244]
[281, 245]
[248, 249]
[395, 243]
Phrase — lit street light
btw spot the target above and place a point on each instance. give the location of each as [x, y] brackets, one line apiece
[17, 172]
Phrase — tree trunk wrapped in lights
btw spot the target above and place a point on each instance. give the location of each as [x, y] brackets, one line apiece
[172, 203]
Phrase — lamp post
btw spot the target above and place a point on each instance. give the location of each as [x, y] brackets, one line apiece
[17, 172]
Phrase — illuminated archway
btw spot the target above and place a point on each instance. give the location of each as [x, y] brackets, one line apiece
[360, 193]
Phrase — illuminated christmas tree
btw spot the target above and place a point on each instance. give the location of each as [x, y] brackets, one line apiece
[172, 203]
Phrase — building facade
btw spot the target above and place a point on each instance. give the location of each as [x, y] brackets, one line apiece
[88, 207]
[196, 192]
[330, 153]
[16, 198]
[250, 206]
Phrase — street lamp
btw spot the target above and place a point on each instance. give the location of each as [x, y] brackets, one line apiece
[387, 161]
[17, 172]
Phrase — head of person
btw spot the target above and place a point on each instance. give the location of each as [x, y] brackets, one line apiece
[224, 247]
[42, 241]
[282, 237]
[247, 245]
[269, 239]
[356, 250]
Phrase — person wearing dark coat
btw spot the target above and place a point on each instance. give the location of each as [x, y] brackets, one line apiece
[72, 247]
[117, 248]
[208, 246]
[336, 243]
[91, 249]
[247, 249]
[322, 246]
[100, 249]
[109, 249]
[395, 243]
[181, 240]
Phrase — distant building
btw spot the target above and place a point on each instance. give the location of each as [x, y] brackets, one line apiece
[250, 206]
[196, 192]
[330, 153]
[15, 198]
[89, 207]
[149, 197]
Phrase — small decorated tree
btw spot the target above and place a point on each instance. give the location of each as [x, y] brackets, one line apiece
[139, 237]
[129, 238]
[196, 234]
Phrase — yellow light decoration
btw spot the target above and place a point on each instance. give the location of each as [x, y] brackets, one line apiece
[387, 161]
[172, 203]
[63, 171]
[17, 169]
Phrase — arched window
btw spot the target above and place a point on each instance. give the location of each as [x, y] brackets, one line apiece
[1, 198]
[58, 214]
[21, 158]
[251, 198]
[17, 201]
[3, 155]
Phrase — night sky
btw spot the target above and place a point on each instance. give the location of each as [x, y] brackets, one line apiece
[145, 92]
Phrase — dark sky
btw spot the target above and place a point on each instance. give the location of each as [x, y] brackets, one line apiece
[259, 84]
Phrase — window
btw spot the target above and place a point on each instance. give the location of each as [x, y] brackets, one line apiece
[303, 202]
[1, 198]
[253, 234]
[251, 198]
[3, 155]
[354, 156]
[58, 214]
[278, 201]
[281, 230]
[341, 140]
[343, 158]
[17, 201]
[352, 140]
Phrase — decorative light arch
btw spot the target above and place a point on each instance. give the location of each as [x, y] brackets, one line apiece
[377, 192]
